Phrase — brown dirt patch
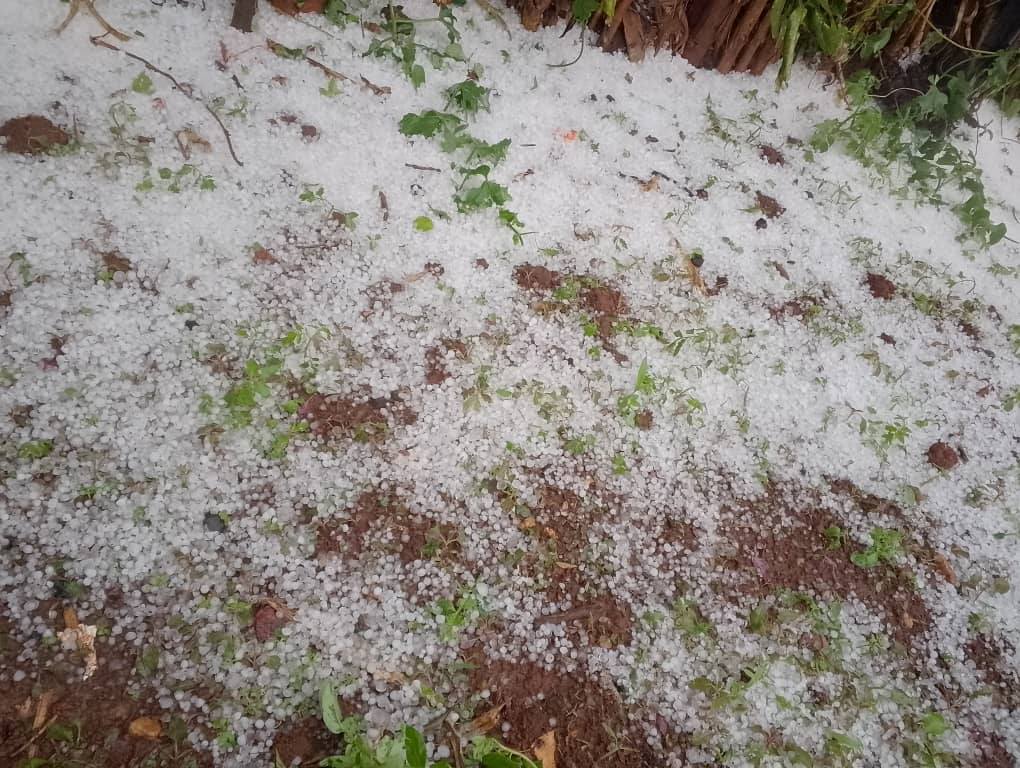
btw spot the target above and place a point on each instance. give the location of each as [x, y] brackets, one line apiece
[267, 619]
[367, 420]
[779, 547]
[381, 522]
[380, 296]
[772, 155]
[306, 742]
[799, 307]
[115, 262]
[435, 368]
[605, 303]
[992, 752]
[294, 7]
[604, 300]
[101, 709]
[32, 135]
[881, 287]
[608, 622]
[531, 277]
[989, 657]
[868, 503]
[591, 724]
[644, 420]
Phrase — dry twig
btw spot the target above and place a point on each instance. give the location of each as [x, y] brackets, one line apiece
[182, 87]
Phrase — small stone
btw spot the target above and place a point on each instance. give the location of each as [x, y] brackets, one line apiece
[214, 523]
[761, 224]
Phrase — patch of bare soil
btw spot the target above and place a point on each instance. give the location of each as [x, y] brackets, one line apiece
[607, 622]
[989, 657]
[943, 456]
[606, 305]
[367, 420]
[560, 523]
[589, 720]
[536, 278]
[799, 307]
[382, 523]
[32, 135]
[61, 720]
[306, 742]
[881, 287]
[780, 547]
[435, 357]
[992, 752]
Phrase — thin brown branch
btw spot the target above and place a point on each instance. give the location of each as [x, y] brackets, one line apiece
[91, 8]
[182, 87]
[275, 46]
[34, 738]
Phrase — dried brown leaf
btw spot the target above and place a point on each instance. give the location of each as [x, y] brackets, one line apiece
[485, 722]
[694, 275]
[545, 750]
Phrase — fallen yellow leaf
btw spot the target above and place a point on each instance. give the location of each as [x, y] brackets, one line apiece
[146, 728]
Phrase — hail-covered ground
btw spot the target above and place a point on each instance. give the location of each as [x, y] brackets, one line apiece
[702, 439]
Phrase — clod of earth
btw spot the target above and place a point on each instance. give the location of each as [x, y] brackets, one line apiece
[768, 205]
[772, 155]
[269, 617]
[592, 724]
[881, 287]
[943, 456]
[32, 135]
[369, 419]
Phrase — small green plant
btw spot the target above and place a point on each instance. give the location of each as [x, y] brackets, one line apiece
[455, 615]
[331, 89]
[35, 449]
[143, 84]
[174, 181]
[904, 138]
[226, 739]
[452, 135]
[881, 436]
[828, 26]
[834, 537]
[731, 694]
[841, 746]
[886, 547]
[688, 618]
[468, 97]
[399, 42]
[1013, 337]
[312, 195]
[1011, 399]
[423, 224]
[336, 12]
[404, 748]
